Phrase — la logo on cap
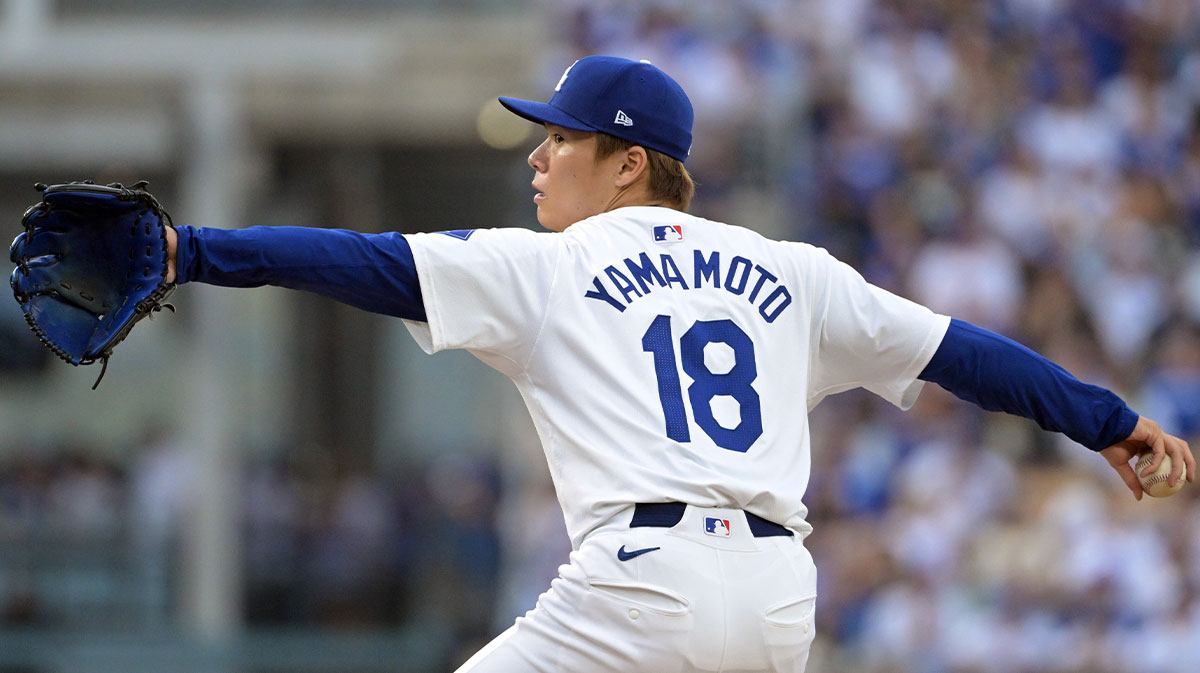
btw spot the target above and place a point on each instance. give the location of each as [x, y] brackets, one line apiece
[558, 87]
[623, 119]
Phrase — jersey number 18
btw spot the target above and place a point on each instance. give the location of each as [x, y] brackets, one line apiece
[706, 384]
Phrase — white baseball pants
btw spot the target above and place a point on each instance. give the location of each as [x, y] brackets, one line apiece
[704, 595]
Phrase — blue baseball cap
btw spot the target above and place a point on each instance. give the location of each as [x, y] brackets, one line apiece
[632, 100]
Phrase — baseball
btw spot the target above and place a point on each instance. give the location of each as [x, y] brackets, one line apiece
[1155, 485]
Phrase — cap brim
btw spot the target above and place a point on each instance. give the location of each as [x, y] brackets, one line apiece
[542, 113]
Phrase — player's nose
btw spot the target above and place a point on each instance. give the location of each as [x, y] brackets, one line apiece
[537, 158]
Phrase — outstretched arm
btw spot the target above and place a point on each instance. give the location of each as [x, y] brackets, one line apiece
[999, 374]
[374, 272]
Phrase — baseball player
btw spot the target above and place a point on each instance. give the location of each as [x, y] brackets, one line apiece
[669, 363]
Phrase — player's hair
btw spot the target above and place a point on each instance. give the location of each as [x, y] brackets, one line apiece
[669, 179]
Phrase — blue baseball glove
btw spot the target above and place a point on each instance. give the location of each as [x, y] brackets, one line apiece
[91, 263]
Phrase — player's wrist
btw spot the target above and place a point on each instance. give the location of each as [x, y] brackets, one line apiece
[172, 246]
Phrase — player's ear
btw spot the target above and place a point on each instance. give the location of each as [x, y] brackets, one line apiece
[634, 164]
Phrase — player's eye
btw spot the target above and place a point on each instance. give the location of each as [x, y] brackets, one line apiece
[558, 138]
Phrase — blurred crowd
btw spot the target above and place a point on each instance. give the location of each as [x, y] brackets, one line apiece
[98, 539]
[1032, 166]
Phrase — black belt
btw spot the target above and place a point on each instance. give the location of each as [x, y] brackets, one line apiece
[667, 514]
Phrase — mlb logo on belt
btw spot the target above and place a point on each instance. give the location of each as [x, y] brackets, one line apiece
[717, 527]
[668, 232]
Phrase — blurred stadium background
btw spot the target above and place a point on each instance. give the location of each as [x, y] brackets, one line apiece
[268, 482]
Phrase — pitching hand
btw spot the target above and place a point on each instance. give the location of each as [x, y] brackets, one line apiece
[1147, 435]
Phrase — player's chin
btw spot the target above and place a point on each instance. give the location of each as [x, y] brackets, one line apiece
[549, 220]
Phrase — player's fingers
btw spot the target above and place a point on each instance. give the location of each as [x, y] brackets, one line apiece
[1157, 444]
[1130, 478]
[1178, 466]
[1181, 458]
[1189, 461]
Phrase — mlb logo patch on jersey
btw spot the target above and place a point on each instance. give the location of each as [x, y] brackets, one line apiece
[668, 232]
[716, 526]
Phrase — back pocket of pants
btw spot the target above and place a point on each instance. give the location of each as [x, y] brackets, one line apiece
[630, 627]
[643, 596]
[788, 632]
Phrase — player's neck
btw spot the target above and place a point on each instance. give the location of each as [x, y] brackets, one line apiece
[636, 194]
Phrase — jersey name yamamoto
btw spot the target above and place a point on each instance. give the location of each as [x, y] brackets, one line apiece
[667, 357]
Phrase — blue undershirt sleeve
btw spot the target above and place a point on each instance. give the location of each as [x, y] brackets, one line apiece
[374, 272]
[999, 374]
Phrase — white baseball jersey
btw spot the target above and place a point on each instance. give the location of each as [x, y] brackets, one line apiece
[664, 357]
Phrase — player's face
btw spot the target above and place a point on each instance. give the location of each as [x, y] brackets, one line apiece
[571, 184]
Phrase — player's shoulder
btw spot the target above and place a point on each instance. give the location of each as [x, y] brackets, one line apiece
[468, 238]
[482, 247]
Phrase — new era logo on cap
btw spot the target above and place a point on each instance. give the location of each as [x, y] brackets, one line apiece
[623, 119]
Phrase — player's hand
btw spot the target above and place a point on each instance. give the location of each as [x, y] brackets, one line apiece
[1147, 435]
[172, 243]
